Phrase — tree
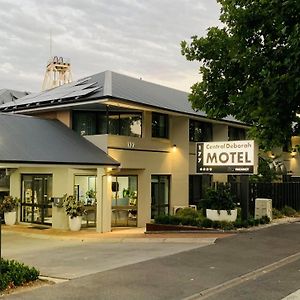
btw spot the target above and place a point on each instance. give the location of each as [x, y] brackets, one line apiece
[251, 67]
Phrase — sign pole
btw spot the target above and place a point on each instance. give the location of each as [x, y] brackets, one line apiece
[245, 197]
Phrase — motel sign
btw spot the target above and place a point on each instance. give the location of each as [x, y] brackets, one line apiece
[231, 157]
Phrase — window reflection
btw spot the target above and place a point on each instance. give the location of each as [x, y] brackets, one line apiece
[112, 122]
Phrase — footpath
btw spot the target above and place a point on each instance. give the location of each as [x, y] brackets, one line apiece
[128, 256]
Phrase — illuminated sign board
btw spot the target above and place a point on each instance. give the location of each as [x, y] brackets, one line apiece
[231, 157]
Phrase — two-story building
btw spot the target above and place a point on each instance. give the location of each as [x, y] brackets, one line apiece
[151, 130]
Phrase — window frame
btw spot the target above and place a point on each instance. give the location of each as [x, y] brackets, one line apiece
[205, 135]
[156, 128]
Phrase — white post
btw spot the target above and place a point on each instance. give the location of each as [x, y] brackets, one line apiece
[103, 195]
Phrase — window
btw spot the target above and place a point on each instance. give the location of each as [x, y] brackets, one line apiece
[197, 186]
[102, 122]
[160, 125]
[160, 190]
[200, 131]
[84, 123]
[236, 133]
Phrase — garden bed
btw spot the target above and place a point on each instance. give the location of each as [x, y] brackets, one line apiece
[152, 227]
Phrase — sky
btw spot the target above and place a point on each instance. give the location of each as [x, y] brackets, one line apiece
[139, 38]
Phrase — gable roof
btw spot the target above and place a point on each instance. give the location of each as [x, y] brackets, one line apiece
[105, 85]
[32, 140]
[8, 96]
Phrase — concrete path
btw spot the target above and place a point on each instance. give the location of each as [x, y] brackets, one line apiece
[71, 256]
[268, 258]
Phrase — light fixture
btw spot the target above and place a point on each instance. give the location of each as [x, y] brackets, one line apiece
[174, 147]
[293, 152]
[108, 169]
[272, 155]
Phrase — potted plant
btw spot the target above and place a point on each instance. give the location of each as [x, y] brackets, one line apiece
[8, 206]
[75, 210]
[219, 204]
[90, 196]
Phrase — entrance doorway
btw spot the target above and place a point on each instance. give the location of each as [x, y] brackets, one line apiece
[160, 187]
[36, 206]
[124, 201]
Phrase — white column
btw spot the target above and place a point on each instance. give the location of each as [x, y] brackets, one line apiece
[103, 194]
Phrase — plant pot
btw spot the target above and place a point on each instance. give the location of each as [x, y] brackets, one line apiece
[75, 223]
[221, 215]
[10, 218]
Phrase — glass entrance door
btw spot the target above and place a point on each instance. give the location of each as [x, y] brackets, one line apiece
[160, 186]
[124, 201]
[36, 199]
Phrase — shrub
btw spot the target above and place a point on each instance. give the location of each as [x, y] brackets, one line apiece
[162, 219]
[216, 224]
[276, 213]
[288, 211]
[206, 223]
[174, 220]
[188, 221]
[264, 220]
[238, 223]
[187, 212]
[15, 273]
[226, 225]
[218, 199]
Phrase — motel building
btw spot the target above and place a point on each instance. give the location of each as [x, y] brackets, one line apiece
[124, 146]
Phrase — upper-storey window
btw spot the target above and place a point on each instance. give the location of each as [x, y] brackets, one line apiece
[236, 133]
[200, 131]
[160, 125]
[118, 123]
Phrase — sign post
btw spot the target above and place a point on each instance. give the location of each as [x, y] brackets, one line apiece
[231, 158]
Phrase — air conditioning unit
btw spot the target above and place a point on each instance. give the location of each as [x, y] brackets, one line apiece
[193, 207]
[176, 209]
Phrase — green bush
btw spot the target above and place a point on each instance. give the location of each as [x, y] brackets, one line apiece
[276, 213]
[216, 224]
[15, 274]
[187, 212]
[218, 198]
[226, 225]
[206, 223]
[264, 220]
[288, 211]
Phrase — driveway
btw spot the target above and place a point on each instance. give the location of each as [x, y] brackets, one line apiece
[69, 258]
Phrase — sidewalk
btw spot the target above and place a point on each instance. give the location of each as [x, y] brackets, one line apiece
[117, 234]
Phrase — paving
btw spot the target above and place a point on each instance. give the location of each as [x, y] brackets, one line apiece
[69, 255]
[258, 264]
[202, 270]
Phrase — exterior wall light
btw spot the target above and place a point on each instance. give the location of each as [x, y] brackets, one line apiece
[174, 147]
[294, 152]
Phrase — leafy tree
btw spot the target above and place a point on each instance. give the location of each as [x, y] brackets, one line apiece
[251, 67]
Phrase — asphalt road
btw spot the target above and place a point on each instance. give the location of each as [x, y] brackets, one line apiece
[263, 264]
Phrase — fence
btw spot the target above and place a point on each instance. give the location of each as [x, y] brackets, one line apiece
[282, 194]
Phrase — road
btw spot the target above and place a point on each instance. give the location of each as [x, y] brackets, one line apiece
[263, 264]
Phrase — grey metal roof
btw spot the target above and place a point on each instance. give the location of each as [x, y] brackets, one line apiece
[109, 84]
[7, 95]
[26, 139]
